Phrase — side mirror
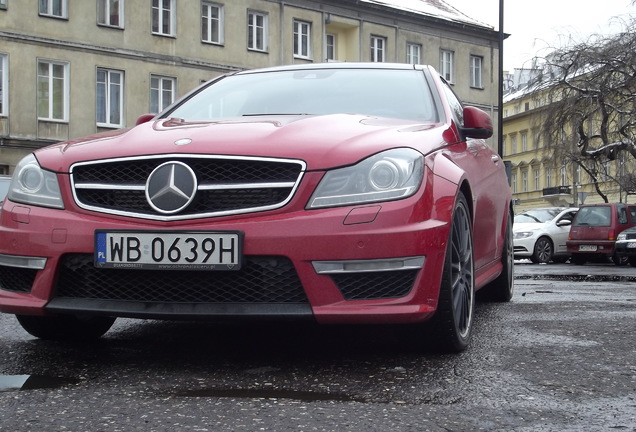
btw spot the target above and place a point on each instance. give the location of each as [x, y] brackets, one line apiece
[144, 118]
[564, 222]
[477, 124]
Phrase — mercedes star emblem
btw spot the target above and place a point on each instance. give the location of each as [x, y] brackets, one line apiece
[171, 187]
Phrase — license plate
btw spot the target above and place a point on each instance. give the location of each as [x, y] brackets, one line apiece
[631, 245]
[587, 248]
[169, 250]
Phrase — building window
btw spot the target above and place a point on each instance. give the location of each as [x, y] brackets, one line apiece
[163, 17]
[4, 84]
[548, 177]
[211, 22]
[476, 72]
[257, 31]
[330, 46]
[110, 98]
[413, 53]
[564, 175]
[162, 92]
[446, 66]
[302, 39]
[53, 90]
[3, 4]
[53, 8]
[524, 141]
[537, 179]
[513, 183]
[503, 146]
[110, 13]
[524, 181]
[514, 144]
[378, 49]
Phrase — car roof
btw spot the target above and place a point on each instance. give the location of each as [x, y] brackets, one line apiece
[338, 65]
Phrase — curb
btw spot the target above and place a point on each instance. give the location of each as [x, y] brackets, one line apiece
[578, 278]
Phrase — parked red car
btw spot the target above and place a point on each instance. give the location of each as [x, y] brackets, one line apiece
[340, 193]
[595, 229]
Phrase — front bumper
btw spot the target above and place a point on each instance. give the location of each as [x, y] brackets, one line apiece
[369, 264]
[626, 247]
[524, 247]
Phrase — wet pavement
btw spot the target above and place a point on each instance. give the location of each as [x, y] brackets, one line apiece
[559, 357]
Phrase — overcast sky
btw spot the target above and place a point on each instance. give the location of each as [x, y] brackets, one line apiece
[536, 24]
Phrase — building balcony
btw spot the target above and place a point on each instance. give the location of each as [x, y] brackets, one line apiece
[557, 191]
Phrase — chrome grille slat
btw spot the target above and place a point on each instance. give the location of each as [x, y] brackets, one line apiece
[226, 185]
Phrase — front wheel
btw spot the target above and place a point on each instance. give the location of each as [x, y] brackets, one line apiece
[619, 260]
[543, 251]
[453, 320]
[66, 327]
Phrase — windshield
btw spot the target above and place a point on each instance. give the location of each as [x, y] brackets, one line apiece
[594, 216]
[385, 93]
[537, 216]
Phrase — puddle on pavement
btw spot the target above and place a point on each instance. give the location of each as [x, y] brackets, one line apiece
[303, 396]
[32, 382]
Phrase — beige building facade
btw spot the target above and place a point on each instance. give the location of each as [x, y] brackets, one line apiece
[70, 68]
[538, 177]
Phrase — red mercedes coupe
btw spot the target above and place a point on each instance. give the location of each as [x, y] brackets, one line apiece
[339, 193]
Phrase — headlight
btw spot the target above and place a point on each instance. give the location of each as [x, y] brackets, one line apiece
[523, 234]
[622, 236]
[387, 176]
[33, 185]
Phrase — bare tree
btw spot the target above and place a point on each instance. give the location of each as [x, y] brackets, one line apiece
[587, 93]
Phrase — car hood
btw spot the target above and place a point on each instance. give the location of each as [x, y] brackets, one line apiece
[321, 141]
[527, 226]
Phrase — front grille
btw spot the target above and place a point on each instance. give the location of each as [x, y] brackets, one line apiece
[375, 285]
[225, 185]
[264, 279]
[17, 279]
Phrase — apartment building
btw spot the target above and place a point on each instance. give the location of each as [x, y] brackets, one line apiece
[538, 177]
[70, 68]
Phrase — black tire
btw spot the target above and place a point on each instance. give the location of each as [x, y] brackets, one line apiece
[543, 251]
[502, 288]
[632, 260]
[453, 320]
[578, 259]
[619, 260]
[66, 327]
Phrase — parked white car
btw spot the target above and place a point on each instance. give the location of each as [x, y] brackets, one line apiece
[540, 234]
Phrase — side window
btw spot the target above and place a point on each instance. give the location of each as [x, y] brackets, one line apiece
[455, 105]
[632, 213]
[622, 215]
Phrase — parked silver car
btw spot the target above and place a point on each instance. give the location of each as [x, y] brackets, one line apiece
[540, 234]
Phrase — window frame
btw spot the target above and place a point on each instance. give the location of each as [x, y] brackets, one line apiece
[301, 39]
[157, 7]
[51, 91]
[107, 7]
[4, 84]
[447, 65]
[108, 123]
[476, 71]
[46, 8]
[410, 47]
[253, 30]
[207, 21]
[378, 53]
[160, 91]
[330, 46]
